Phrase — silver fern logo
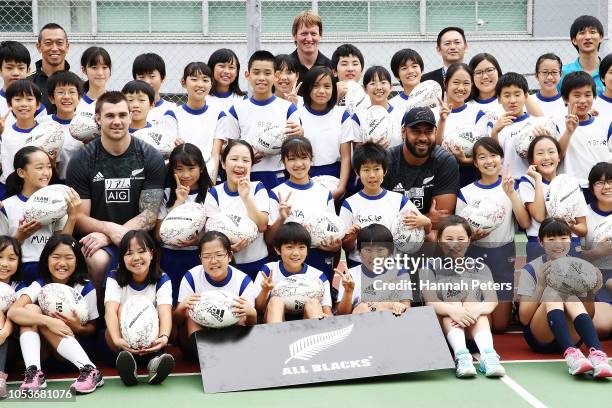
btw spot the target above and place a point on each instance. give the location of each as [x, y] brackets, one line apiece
[308, 347]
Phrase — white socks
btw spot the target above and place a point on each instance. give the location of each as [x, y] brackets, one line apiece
[484, 341]
[71, 350]
[30, 348]
[456, 339]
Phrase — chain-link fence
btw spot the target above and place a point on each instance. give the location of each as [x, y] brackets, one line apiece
[515, 31]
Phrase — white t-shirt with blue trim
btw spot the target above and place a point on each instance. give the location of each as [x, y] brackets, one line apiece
[551, 106]
[306, 200]
[196, 280]
[224, 100]
[157, 112]
[324, 130]
[160, 292]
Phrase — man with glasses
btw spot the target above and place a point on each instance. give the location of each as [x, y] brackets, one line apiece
[451, 46]
[53, 46]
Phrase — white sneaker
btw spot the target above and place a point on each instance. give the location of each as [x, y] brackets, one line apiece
[489, 364]
[465, 367]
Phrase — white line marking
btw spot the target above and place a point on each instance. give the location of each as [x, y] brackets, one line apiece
[533, 401]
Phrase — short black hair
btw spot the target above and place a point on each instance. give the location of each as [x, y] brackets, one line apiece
[187, 154]
[370, 152]
[261, 55]
[124, 276]
[148, 62]
[291, 233]
[554, 227]
[13, 51]
[376, 71]
[601, 169]
[237, 142]
[446, 30]
[403, 56]
[226, 55]
[535, 141]
[490, 145]
[574, 80]
[51, 26]
[299, 145]
[64, 78]
[136, 86]
[210, 236]
[311, 77]
[451, 221]
[196, 68]
[22, 87]
[346, 50]
[548, 56]
[604, 67]
[285, 61]
[583, 22]
[457, 66]
[80, 271]
[511, 79]
[113, 97]
[375, 235]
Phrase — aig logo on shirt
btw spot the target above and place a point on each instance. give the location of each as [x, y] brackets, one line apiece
[117, 190]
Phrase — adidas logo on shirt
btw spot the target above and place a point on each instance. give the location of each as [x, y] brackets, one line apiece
[398, 188]
[216, 313]
[98, 177]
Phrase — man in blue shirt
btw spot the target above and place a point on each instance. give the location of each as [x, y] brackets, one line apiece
[586, 34]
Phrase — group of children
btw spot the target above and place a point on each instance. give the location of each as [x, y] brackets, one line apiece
[215, 164]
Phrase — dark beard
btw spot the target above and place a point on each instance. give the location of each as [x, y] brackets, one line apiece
[414, 152]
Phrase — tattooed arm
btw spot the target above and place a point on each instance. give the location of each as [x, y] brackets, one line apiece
[149, 203]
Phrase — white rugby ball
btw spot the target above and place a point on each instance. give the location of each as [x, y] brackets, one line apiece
[572, 275]
[330, 182]
[57, 297]
[296, 290]
[214, 310]
[139, 322]
[484, 215]
[564, 197]
[523, 133]
[157, 138]
[269, 137]
[324, 227]
[406, 239]
[425, 94]
[48, 135]
[7, 296]
[235, 226]
[83, 127]
[462, 138]
[182, 223]
[603, 231]
[47, 205]
[356, 99]
[376, 124]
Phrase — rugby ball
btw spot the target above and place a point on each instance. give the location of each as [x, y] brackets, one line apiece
[376, 124]
[329, 182]
[524, 133]
[269, 137]
[60, 298]
[154, 136]
[356, 99]
[139, 322]
[235, 226]
[603, 231]
[564, 197]
[484, 215]
[406, 239]
[7, 296]
[83, 127]
[296, 290]
[324, 227]
[462, 138]
[214, 310]
[47, 205]
[183, 223]
[425, 94]
[573, 276]
[48, 135]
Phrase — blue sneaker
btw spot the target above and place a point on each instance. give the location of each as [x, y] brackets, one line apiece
[465, 367]
[489, 364]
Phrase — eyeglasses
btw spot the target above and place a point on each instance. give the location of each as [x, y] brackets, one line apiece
[219, 256]
[545, 74]
[489, 71]
[602, 183]
[62, 93]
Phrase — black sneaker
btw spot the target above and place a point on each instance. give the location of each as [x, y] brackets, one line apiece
[126, 365]
[159, 368]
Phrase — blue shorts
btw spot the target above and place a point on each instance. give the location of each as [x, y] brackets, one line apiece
[501, 263]
[544, 348]
[332, 169]
[30, 272]
[252, 268]
[175, 263]
[2, 191]
[322, 260]
[269, 179]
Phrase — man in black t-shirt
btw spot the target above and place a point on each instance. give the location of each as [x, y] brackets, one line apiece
[120, 180]
[423, 171]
